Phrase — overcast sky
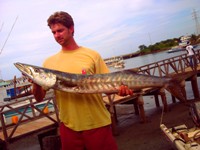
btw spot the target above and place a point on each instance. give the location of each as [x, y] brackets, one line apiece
[111, 27]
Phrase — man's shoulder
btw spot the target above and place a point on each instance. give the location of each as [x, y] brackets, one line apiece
[51, 57]
[90, 51]
[49, 60]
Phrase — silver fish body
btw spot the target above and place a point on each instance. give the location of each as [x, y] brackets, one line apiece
[98, 83]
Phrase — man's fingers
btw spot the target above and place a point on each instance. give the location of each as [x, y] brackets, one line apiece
[124, 91]
[130, 92]
[29, 80]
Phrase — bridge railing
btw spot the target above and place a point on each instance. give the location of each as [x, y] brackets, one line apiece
[177, 64]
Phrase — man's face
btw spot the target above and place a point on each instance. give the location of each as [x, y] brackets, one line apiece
[62, 34]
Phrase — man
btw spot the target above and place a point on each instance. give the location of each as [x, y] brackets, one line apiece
[85, 121]
[190, 52]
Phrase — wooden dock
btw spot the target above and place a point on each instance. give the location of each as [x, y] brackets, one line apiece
[171, 67]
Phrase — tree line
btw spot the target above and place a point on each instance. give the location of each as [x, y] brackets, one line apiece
[166, 44]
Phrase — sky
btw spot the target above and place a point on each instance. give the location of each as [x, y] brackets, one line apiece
[111, 27]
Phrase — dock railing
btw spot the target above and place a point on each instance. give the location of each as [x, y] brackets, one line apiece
[173, 65]
[27, 110]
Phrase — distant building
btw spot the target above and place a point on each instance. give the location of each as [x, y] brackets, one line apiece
[4, 83]
[184, 40]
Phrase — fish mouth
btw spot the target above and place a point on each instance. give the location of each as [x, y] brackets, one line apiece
[26, 71]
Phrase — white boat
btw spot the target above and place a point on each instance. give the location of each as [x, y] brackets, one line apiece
[113, 61]
[176, 49]
[183, 138]
[184, 40]
[119, 65]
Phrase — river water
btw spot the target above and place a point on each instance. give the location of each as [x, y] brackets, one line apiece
[150, 58]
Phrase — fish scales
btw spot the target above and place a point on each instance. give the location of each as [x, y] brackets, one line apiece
[99, 83]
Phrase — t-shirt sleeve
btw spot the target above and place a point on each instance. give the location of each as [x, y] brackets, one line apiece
[100, 66]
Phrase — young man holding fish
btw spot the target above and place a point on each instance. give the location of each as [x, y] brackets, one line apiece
[85, 121]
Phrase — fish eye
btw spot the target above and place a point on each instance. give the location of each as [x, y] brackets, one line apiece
[36, 70]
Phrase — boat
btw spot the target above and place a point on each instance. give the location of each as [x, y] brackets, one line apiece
[18, 91]
[182, 137]
[184, 40]
[113, 61]
[119, 65]
[181, 45]
[4, 83]
[176, 49]
[16, 88]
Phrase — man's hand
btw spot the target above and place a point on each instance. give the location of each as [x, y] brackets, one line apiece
[124, 91]
[38, 92]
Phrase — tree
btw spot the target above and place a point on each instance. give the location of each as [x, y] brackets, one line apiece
[142, 47]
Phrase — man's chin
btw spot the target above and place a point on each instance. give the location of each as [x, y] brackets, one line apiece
[60, 42]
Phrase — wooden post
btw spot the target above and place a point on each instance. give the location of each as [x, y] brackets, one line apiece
[173, 99]
[32, 108]
[112, 113]
[164, 99]
[156, 100]
[15, 82]
[140, 102]
[183, 89]
[195, 86]
[3, 125]
[136, 107]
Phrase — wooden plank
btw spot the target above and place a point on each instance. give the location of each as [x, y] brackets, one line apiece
[28, 127]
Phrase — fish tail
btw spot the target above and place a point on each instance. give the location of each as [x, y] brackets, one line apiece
[177, 91]
[176, 88]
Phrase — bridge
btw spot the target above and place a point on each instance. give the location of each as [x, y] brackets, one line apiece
[169, 67]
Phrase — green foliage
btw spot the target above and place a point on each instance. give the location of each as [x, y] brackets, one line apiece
[164, 45]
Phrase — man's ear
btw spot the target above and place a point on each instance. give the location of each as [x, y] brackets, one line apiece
[71, 29]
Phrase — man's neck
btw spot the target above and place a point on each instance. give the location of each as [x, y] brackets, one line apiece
[71, 46]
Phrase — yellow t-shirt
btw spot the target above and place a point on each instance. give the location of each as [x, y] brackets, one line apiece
[80, 111]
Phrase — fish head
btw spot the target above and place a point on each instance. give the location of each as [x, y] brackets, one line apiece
[38, 75]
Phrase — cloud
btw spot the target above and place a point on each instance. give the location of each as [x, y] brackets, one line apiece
[111, 27]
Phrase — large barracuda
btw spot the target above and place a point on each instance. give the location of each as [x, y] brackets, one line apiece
[98, 83]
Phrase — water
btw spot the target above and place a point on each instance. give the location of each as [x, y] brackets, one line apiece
[148, 59]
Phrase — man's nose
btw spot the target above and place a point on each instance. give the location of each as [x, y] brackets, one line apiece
[57, 34]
